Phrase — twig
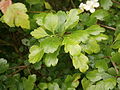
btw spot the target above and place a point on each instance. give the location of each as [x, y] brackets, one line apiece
[38, 12]
[108, 27]
[113, 63]
[73, 4]
[18, 67]
[116, 2]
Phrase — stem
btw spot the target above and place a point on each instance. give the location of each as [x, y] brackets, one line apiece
[38, 12]
[108, 27]
[116, 2]
[73, 4]
[113, 63]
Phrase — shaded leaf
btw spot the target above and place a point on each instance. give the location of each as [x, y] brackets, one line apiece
[106, 4]
[3, 65]
[30, 82]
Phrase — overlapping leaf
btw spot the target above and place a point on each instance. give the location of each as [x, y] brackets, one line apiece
[36, 54]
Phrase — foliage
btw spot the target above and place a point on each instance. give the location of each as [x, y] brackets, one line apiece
[51, 45]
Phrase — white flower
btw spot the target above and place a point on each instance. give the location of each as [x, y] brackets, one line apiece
[92, 10]
[96, 4]
[89, 6]
[82, 6]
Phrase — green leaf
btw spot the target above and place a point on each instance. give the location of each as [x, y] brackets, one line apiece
[91, 46]
[47, 5]
[53, 86]
[110, 83]
[30, 82]
[16, 16]
[32, 2]
[101, 65]
[100, 37]
[106, 4]
[118, 37]
[112, 71]
[3, 65]
[95, 30]
[51, 22]
[78, 36]
[61, 20]
[93, 76]
[118, 81]
[116, 45]
[39, 33]
[80, 62]
[36, 54]
[43, 86]
[71, 46]
[72, 19]
[91, 87]
[51, 59]
[85, 83]
[100, 14]
[40, 18]
[116, 58]
[51, 44]
[71, 82]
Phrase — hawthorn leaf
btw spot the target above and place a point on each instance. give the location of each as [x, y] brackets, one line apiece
[91, 87]
[100, 37]
[36, 54]
[29, 83]
[94, 76]
[118, 81]
[51, 59]
[43, 86]
[71, 46]
[3, 65]
[116, 45]
[116, 57]
[100, 14]
[47, 5]
[72, 81]
[95, 30]
[40, 18]
[51, 22]
[61, 20]
[51, 44]
[85, 83]
[16, 16]
[39, 33]
[79, 36]
[101, 65]
[91, 46]
[106, 4]
[72, 18]
[4, 4]
[53, 86]
[110, 83]
[118, 37]
[80, 62]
